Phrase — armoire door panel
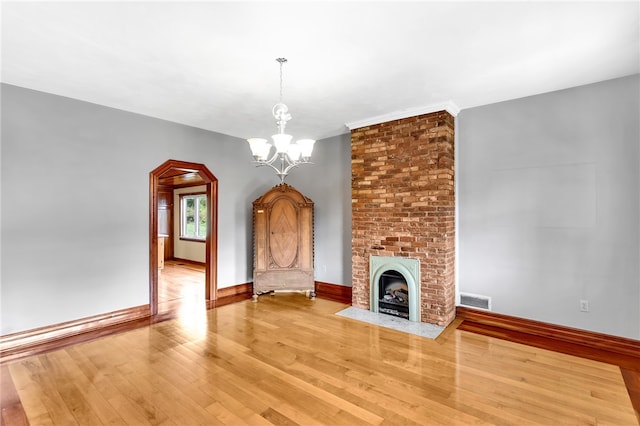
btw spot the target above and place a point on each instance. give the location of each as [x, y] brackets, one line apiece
[283, 233]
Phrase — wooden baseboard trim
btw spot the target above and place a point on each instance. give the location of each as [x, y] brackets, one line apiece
[233, 294]
[565, 335]
[335, 292]
[236, 290]
[26, 342]
[187, 261]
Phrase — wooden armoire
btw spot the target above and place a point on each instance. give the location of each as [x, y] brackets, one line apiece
[283, 242]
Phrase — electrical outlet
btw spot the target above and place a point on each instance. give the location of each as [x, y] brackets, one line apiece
[584, 305]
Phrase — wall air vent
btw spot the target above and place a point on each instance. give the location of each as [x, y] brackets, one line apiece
[475, 301]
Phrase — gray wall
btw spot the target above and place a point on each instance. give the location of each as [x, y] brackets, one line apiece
[548, 192]
[75, 191]
[328, 183]
[548, 205]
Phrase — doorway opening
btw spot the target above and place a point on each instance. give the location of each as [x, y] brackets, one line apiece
[177, 173]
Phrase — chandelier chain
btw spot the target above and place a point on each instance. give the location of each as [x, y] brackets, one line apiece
[281, 61]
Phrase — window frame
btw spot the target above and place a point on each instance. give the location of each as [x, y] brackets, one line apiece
[197, 196]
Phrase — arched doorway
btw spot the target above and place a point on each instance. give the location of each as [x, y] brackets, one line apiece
[175, 169]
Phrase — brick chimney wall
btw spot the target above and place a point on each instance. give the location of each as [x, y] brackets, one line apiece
[403, 205]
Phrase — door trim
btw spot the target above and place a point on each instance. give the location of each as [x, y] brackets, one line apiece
[211, 242]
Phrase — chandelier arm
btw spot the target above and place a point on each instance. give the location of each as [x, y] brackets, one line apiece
[276, 156]
[283, 170]
[290, 166]
[262, 163]
[271, 160]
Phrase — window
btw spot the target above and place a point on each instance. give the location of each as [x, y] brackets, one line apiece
[193, 216]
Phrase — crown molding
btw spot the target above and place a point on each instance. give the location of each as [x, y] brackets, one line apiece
[448, 106]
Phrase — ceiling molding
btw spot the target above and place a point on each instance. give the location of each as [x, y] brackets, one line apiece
[448, 106]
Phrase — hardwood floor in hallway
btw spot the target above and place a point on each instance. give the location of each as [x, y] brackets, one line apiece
[289, 360]
[181, 286]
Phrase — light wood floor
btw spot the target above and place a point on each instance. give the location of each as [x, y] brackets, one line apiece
[288, 360]
[180, 283]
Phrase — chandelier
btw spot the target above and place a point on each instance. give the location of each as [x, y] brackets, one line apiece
[287, 155]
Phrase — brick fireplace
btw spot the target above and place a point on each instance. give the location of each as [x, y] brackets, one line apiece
[403, 205]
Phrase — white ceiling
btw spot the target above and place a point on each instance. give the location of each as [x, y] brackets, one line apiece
[212, 64]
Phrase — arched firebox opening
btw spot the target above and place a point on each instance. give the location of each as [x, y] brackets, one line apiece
[393, 294]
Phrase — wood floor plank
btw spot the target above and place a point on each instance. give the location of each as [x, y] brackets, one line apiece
[85, 378]
[290, 360]
[632, 380]
[28, 394]
[575, 391]
[12, 410]
[85, 402]
[39, 388]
